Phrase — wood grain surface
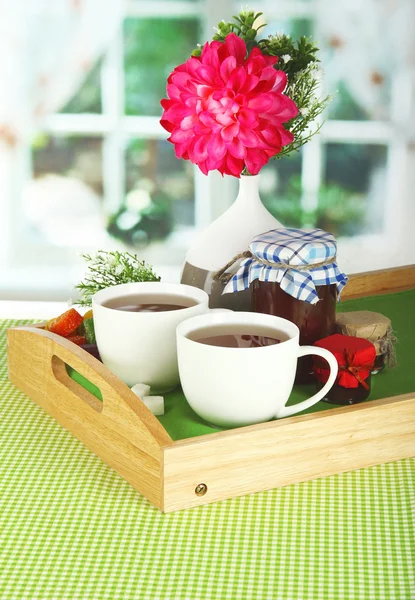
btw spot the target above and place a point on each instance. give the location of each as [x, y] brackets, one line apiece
[261, 457]
[120, 430]
[386, 281]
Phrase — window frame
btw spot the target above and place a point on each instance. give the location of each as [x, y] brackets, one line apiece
[214, 194]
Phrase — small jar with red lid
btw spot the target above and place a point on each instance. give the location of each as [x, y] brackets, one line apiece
[355, 357]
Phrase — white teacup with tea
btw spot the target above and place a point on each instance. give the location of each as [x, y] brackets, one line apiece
[135, 329]
[238, 368]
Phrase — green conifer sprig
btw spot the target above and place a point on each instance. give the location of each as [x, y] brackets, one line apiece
[106, 269]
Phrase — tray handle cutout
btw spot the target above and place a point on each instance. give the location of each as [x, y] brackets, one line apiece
[60, 371]
[37, 357]
[64, 355]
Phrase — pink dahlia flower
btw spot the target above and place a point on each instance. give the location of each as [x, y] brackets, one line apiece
[225, 110]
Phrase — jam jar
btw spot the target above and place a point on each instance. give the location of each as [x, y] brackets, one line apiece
[376, 328]
[315, 321]
[355, 357]
[344, 396]
[293, 274]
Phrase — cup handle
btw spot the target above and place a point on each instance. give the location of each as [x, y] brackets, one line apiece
[287, 411]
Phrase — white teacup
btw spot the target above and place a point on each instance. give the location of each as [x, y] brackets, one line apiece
[231, 387]
[140, 347]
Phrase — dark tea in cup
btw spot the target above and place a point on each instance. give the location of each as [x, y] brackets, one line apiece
[135, 328]
[147, 303]
[237, 336]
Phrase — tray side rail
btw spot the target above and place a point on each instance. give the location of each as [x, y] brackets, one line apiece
[384, 281]
[119, 429]
[261, 457]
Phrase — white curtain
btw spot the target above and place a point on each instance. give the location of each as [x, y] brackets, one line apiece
[47, 47]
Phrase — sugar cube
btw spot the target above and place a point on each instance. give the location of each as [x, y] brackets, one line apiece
[141, 390]
[155, 404]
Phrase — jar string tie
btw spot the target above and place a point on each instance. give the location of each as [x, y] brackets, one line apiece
[224, 277]
[349, 356]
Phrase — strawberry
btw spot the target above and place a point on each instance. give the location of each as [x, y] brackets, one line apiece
[66, 323]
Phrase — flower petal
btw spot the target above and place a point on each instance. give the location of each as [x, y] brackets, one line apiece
[180, 80]
[282, 107]
[225, 119]
[236, 47]
[286, 136]
[200, 150]
[237, 79]
[234, 166]
[236, 148]
[180, 135]
[167, 125]
[216, 147]
[204, 91]
[176, 113]
[206, 118]
[227, 67]
[255, 160]
[261, 103]
[248, 137]
[230, 132]
[250, 83]
[207, 74]
[280, 82]
[180, 149]
[192, 65]
[189, 122]
[248, 118]
[173, 91]
[210, 56]
[203, 167]
[166, 103]
[272, 137]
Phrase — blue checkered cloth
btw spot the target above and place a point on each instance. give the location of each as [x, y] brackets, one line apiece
[278, 252]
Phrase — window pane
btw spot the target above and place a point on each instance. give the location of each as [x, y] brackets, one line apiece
[294, 27]
[153, 48]
[280, 189]
[87, 98]
[62, 203]
[351, 199]
[160, 194]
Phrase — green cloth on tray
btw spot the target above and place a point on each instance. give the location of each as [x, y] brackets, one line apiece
[181, 422]
[72, 529]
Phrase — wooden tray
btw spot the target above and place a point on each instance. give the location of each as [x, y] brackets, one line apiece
[208, 468]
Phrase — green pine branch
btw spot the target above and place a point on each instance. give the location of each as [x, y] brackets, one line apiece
[106, 269]
[304, 91]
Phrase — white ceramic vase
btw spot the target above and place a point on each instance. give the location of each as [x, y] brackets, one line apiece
[223, 239]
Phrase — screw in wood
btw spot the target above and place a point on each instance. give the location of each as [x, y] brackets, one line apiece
[201, 489]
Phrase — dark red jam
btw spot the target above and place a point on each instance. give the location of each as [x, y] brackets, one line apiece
[315, 321]
[345, 396]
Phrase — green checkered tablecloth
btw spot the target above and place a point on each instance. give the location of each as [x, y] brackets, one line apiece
[71, 528]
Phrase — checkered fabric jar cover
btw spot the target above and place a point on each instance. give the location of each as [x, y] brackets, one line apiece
[287, 256]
